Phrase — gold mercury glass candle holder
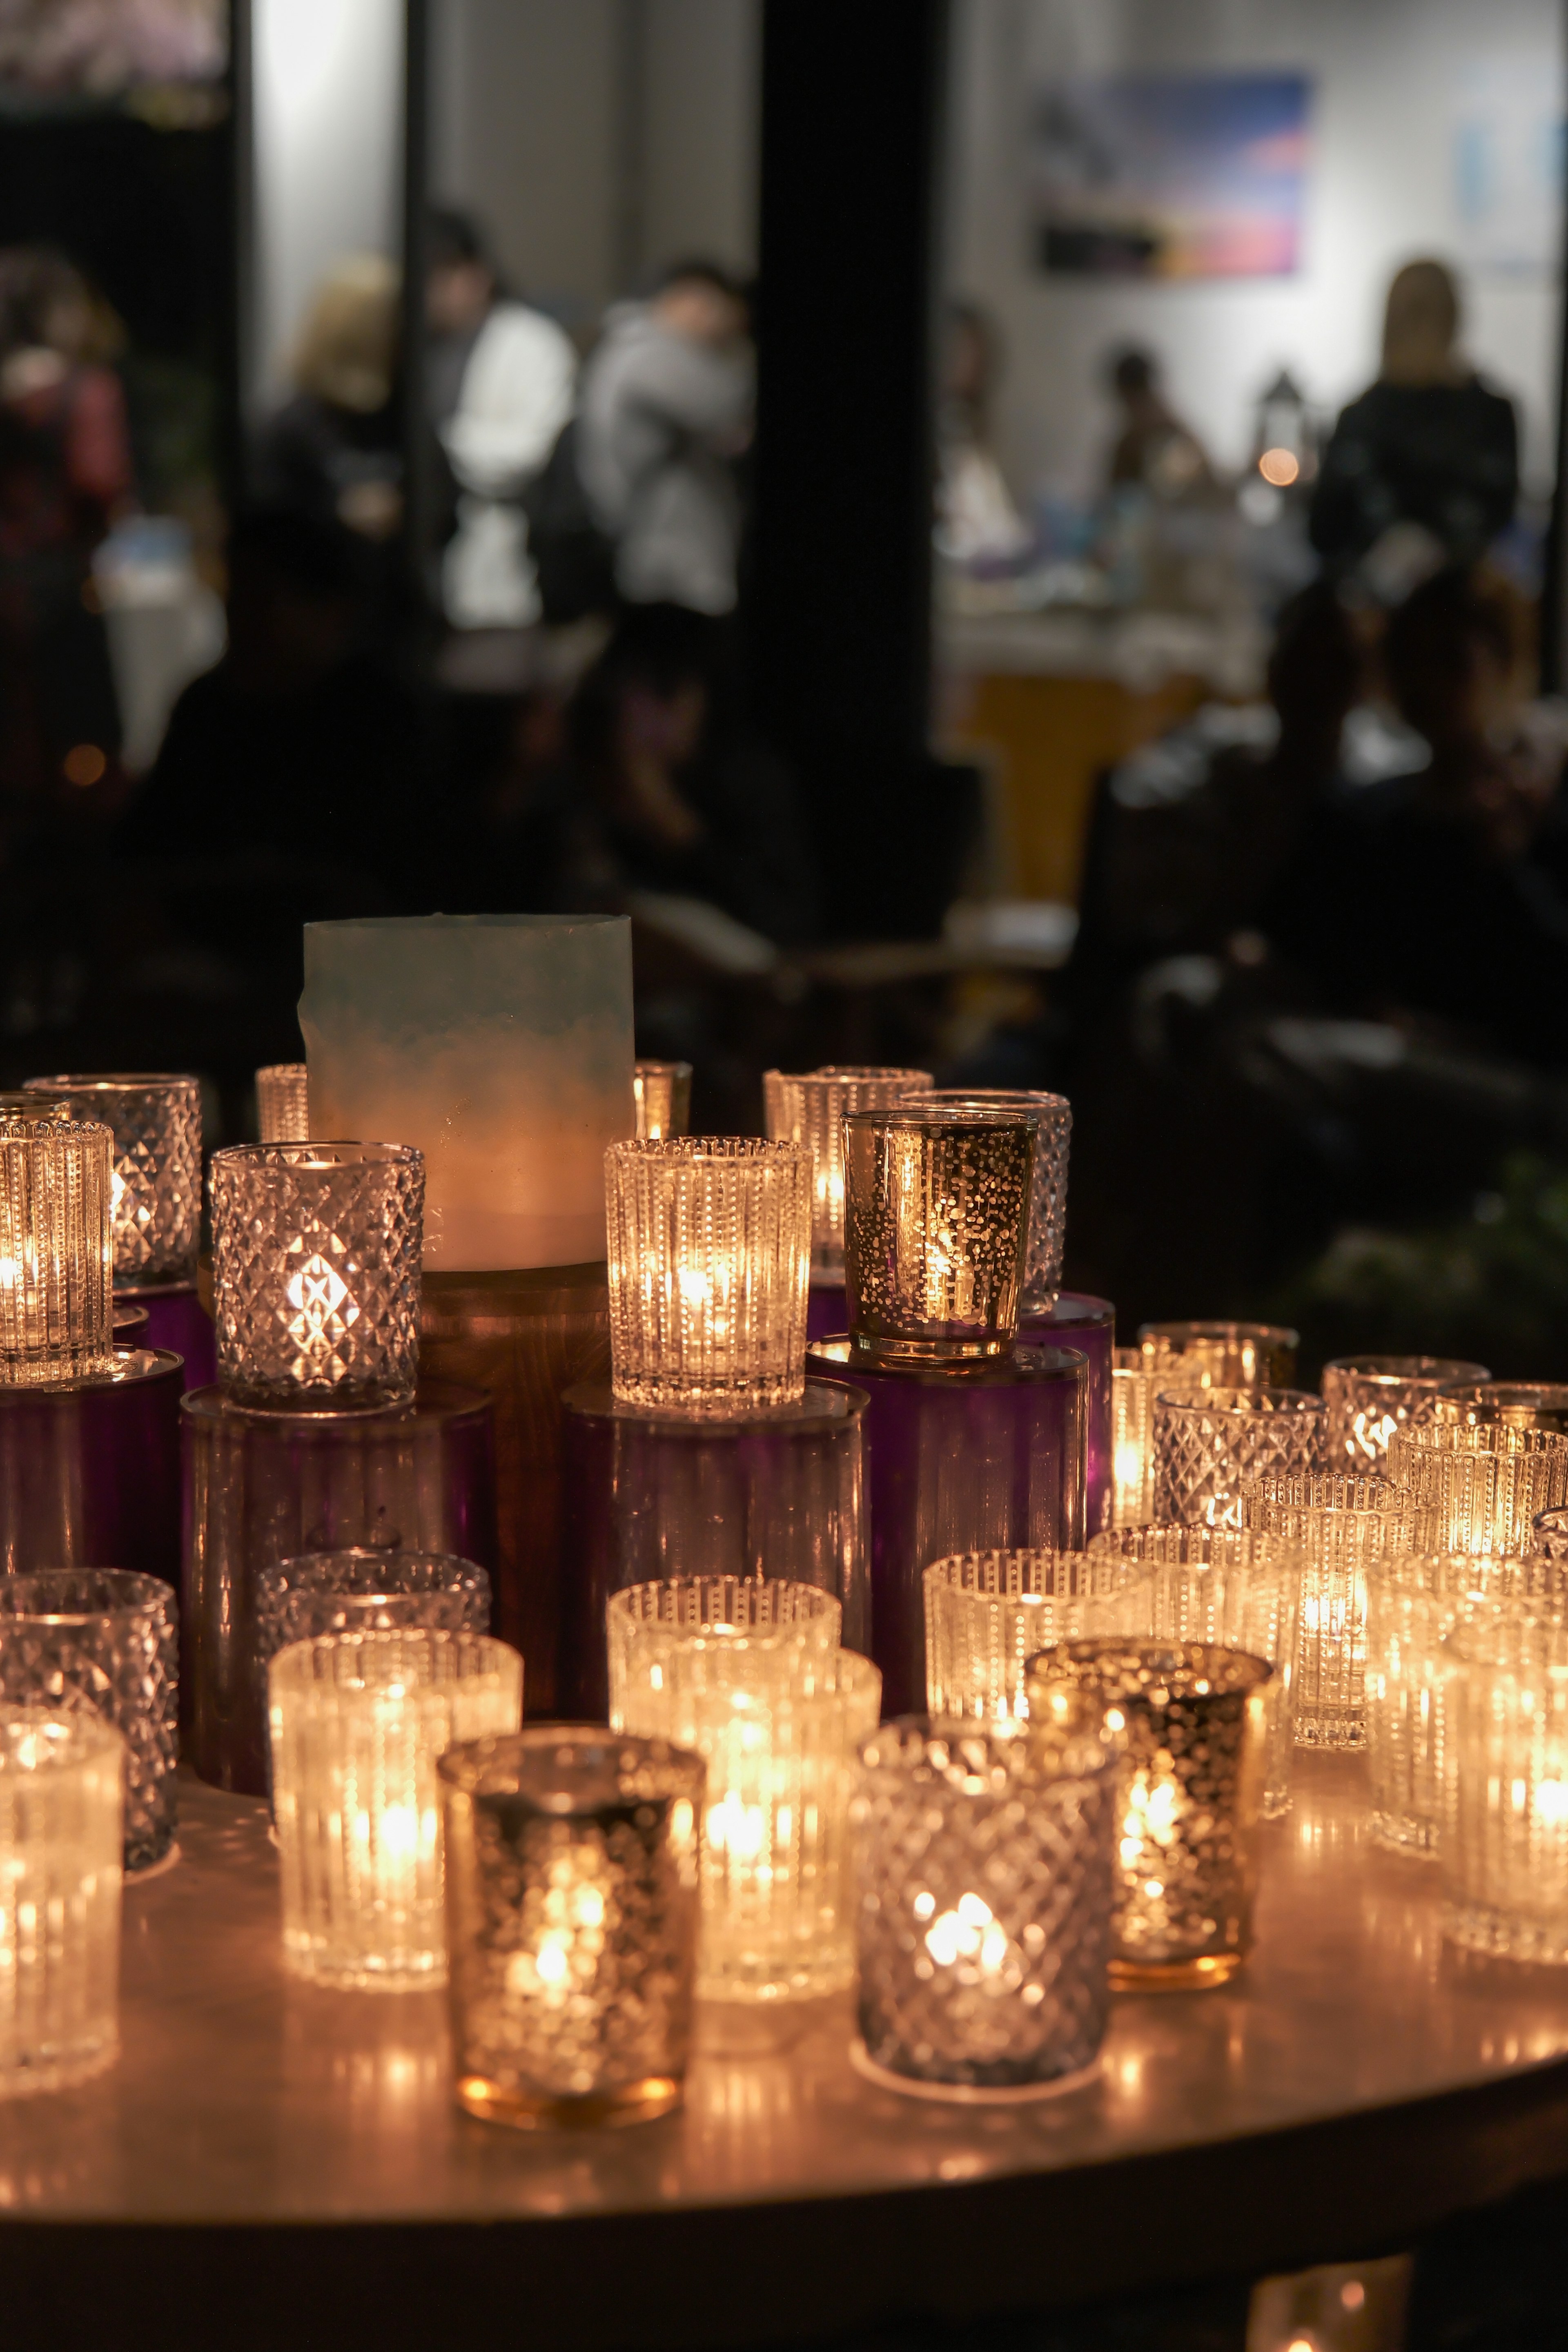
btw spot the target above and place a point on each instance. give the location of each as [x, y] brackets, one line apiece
[1479, 1487]
[1504, 1837]
[56, 1262]
[1053, 1115]
[811, 1110]
[283, 1102]
[156, 1122]
[1132, 1440]
[61, 1783]
[1369, 1396]
[316, 1272]
[1209, 1441]
[935, 1218]
[662, 1098]
[988, 1613]
[357, 1721]
[1190, 1716]
[1218, 1355]
[1337, 1524]
[572, 1913]
[1519, 1404]
[709, 1263]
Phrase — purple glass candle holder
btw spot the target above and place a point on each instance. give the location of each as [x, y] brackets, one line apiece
[177, 1319]
[986, 1456]
[1079, 1320]
[90, 1470]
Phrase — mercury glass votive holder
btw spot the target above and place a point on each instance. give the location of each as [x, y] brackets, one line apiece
[811, 1110]
[1191, 1719]
[55, 1252]
[1209, 1441]
[1053, 1115]
[61, 1799]
[709, 1239]
[1369, 1396]
[1218, 1355]
[935, 1218]
[573, 1910]
[283, 1102]
[156, 1122]
[985, 1884]
[102, 1639]
[662, 1098]
[357, 1722]
[316, 1272]
[1480, 1487]
[1504, 1775]
[988, 1613]
[1519, 1404]
[1338, 1523]
[1132, 1440]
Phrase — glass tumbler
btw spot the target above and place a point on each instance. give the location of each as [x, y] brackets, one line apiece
[283, 1102]
[61, 1782]
[1504, 1767]
[1338, 1524]
[811, 1110]
[316, 1270]
[156, 1122]
[1480, 1487]
[1209, 1441]
[662, 1098]
[984, 1877]
[1218, 1355]
[987, 1613]
[1132, 1440]
[1053, 1115]
[572, 1912]
[935, 1218]
[1369, 1396]
[55, 1252]
[357, 1722]
[101, 1639]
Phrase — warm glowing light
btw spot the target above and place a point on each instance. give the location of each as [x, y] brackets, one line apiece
[1280, 468]
[84, 764]
[1353, 2294]
[1551, 1802]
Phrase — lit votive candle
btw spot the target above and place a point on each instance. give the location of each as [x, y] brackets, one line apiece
[811, 1110]
[55, 1262]
[156, 1122]
[1504, 1773]
[1132, 1440]
[61, 1782]
[1218, 1355]
[1369, 1396]
[935, 1220]
[1337, 1524]
[1209, 1441]
[661, 1095]
[1480, 1487]
[283, 1102]
[988, 1613]
[1052, 1117]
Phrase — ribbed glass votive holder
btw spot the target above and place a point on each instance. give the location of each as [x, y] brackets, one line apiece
[935, 1218]
[662, 1099]
[811, 1110]
[1132, 1440]
[102, 1639]
[357, 1722]
[1338, 1524]
[1519, 1404]
[156, 1122]
[359, 1590]
[1232, 1587]
[1053, 1115]
[984, 1877]
[572, 1913]
[316, 1270]
[1369, 1396]
[56, 1262]
[283, 1102]
[1504, 1767]
[1479, 1487]
[1189, 1794]
[61, 1781]
[987, 1613]
[709, 1263]
[1218, 1355]
[1209, 1441]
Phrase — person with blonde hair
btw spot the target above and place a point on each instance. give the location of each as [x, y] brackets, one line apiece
[332, 451]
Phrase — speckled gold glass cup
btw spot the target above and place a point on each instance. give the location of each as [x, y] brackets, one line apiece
[936, 1206]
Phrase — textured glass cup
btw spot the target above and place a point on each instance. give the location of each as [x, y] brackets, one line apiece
[156, 1122]
[99, 1638]
[1504, 1766]
[573, 1913]
[1189, 1794]
[935, 1218]
[1218, 1355]
[359, 1590]
[1230, 1586]
[1549, 1536]
[1209, 1442]
[662, 1096]
[1053, 1115]
[1369, 1396]
[357, 1722]
[811, 1110]
[61, 1779]
[1479, 1487]
[709, 1263]
[1520, 1405]
[1132, 1440]
[1337, 1524]
[283, 1102]
[56, 1263]
[316, 1272]
[984, 1879]
[987, 1613]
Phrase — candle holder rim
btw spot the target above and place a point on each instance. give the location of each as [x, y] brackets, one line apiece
[1243, 1671]
[818, 1612]
[287, 1666]
[1406, 1371]
[1439, 1437]
[366, 1153]
[1010, 1745]
[375, 1553]
[1261, 1399]
[1200, 1329]
[1412, 1572]
[78, 1081]
[16, 1128]
[1465, 1644]
[1259, 1548]
[565, 922]
[1384, 1495]
[914, 1116]
[129, 1366]
[822, 1404]
[1024, 1359]
[854, 1073]
[136, 1592]
[467, 1763]
[677, 1069]
[995, 1097]
[780, 1150]
[431, 1399]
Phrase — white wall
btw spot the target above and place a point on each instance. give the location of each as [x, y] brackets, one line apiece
[1392, 79]
[703, 110]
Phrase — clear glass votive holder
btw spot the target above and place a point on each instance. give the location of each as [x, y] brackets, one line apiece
[360, 1591]
[709, 1242]
[1218, 1355]
[357, 1722]
[1337, 1523]
[283, 1102]
[573, 1910]
[1233, 1587]
[1053, 1115]
[988, 1613]
[1480, 1487]
[1191, 1719]
[102, 1639]
[317, 1272]
[662, 1099]
[1209, 1441]
[935, 1219]
[156, 1122]
[55, 1253]
[1369, 1396]
[811, 1110]
[1132, 1440]
[61, 1799]
[1549, 1534]
[1504, 1773]
[1520, 1405]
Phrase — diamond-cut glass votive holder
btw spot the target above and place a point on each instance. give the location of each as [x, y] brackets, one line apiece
[1519, 1404]
[662, 1098]
[811, 1110]
[984, 1879]
[1503, 1843]
[1191, 1719]
[1218, 1355]
[107, 1641]
[316, 1270]
[1369, 1396]
[156, 1122]
[1337, 1524]
[56, 1263]
[283, 1102]
[1053, 1115]
[988, 1613]
[709, 1263]
[572, 1912]
[1479, 1487]
[1209, 1442]
[1132, 1440]
[357, 1722]
[935, 1218]
[61, 1781]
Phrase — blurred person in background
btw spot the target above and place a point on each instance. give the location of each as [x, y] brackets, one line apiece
[1154, 450]
[977, 521]
[333, 451]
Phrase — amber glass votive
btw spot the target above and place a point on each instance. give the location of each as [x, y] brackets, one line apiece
[156, 1122]
[662, 1099]
[811, 1110]
[1369, 1396]
[1338, 1524]
[283, 1102]
[572, 1914]
[1504, 1769]
[988, 1613]
[1218, 1355]
[935, 1219]
[1132, 1440]
[1053, 1115]
[61, 1777]
[1209, 1441]
[56, 1265]
[1480, 1487]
